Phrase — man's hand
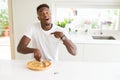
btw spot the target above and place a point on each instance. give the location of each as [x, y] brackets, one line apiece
[71, 47]
[57, 34]
[37, 54]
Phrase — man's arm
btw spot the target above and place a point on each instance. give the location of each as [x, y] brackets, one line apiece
[22, 46]
[71, 47]
[24, 49]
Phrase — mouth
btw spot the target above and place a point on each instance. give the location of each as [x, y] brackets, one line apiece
[47, 19]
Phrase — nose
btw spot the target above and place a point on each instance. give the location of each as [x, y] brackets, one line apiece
[45, 14]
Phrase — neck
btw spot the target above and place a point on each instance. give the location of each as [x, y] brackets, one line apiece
[46, 27]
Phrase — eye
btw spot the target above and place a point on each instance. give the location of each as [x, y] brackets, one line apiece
[41, 13]
[46, 12]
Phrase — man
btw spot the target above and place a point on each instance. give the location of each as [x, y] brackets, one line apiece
[45, 37]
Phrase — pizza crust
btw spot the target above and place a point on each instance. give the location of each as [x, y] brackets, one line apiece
[36, 65]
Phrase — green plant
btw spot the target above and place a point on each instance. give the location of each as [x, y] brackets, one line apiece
[3, 19]
[61, 24]
[64, 22]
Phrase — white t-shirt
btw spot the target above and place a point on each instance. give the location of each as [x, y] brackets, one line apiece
[44, 40]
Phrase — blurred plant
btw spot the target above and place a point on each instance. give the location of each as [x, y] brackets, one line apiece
[4, 25]
[64, 22]
[3, 19]
[94, 25]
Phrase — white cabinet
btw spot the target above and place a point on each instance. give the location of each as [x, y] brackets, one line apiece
[102, 52]
[92, 52]
[64, 55]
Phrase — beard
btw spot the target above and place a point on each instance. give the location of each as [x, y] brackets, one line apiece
[47, 24]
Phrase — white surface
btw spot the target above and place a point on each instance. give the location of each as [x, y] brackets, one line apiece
[64, 55]
[92, 52]
[101, 52]
[88, 3]
[5, 41]
[16, 70]
[5, 52]
[86, 38]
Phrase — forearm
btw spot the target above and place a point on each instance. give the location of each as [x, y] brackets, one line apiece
[22, 46]
[68, 43]
[25, 50]
[71, 47]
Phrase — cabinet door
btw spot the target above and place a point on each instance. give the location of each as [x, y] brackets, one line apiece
[102, 52]
[64, 55]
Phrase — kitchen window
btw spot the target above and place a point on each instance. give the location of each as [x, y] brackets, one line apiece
[89, 16]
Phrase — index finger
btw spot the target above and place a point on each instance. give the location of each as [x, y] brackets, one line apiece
[53, 33]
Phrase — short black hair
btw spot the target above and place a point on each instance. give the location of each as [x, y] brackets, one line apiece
[41, 6]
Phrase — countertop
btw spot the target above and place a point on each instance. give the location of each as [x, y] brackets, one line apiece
[86, 38]
[16, 70]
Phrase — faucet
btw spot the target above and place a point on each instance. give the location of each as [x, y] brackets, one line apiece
[101, 28]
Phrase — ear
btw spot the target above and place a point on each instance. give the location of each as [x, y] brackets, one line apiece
[38, 18]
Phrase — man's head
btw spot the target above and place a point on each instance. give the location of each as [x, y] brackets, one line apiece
[44, 14]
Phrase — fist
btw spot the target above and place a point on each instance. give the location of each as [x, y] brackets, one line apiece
[37, 54]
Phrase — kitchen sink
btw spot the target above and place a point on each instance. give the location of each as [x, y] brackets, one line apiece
[103, 37]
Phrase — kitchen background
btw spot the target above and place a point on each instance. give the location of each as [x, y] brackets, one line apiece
[81, 18]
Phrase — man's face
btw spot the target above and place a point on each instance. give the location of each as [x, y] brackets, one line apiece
[44, 15]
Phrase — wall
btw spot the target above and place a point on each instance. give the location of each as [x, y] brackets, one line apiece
[24, 13]
[88, 3]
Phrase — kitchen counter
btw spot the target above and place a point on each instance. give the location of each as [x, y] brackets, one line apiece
[87, 38]
[16, 70]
